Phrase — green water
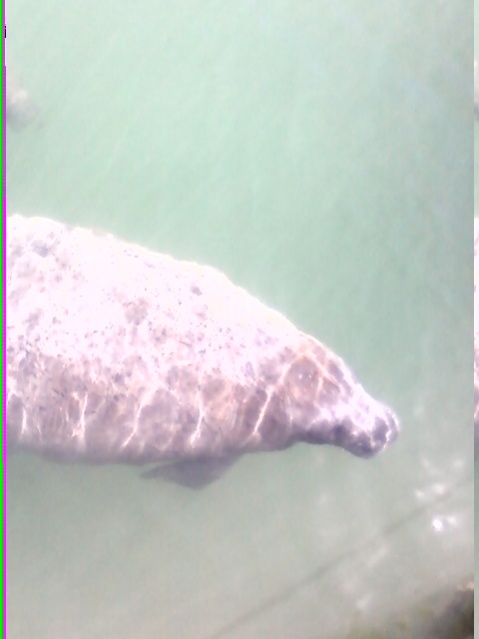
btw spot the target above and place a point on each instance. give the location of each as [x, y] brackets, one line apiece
[321, 155]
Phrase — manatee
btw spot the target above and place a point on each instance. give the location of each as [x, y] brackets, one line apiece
[21, 110]
[118, 354]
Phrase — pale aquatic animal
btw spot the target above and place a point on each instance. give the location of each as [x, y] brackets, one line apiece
[117, 354]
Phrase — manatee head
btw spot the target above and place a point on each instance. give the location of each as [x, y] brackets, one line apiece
[327, 405]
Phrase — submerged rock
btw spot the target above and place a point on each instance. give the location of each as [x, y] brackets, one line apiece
[455, 618]
[119, 354]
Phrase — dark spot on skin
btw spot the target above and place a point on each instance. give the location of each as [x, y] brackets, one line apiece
[158, 335]
[41, 248]
[33, 317]
[249, 372]
[195, 289]
[136, 312]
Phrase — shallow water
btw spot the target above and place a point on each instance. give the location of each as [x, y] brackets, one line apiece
[321, 156]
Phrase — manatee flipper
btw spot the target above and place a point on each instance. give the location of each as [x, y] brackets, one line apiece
[192, 473]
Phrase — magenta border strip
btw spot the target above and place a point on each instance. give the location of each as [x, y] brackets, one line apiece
[4, 315]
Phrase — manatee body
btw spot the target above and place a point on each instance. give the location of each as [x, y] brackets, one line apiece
[119, 354]
[21, 110]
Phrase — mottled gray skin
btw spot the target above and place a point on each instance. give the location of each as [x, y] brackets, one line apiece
[119, 354]
[20, 108]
